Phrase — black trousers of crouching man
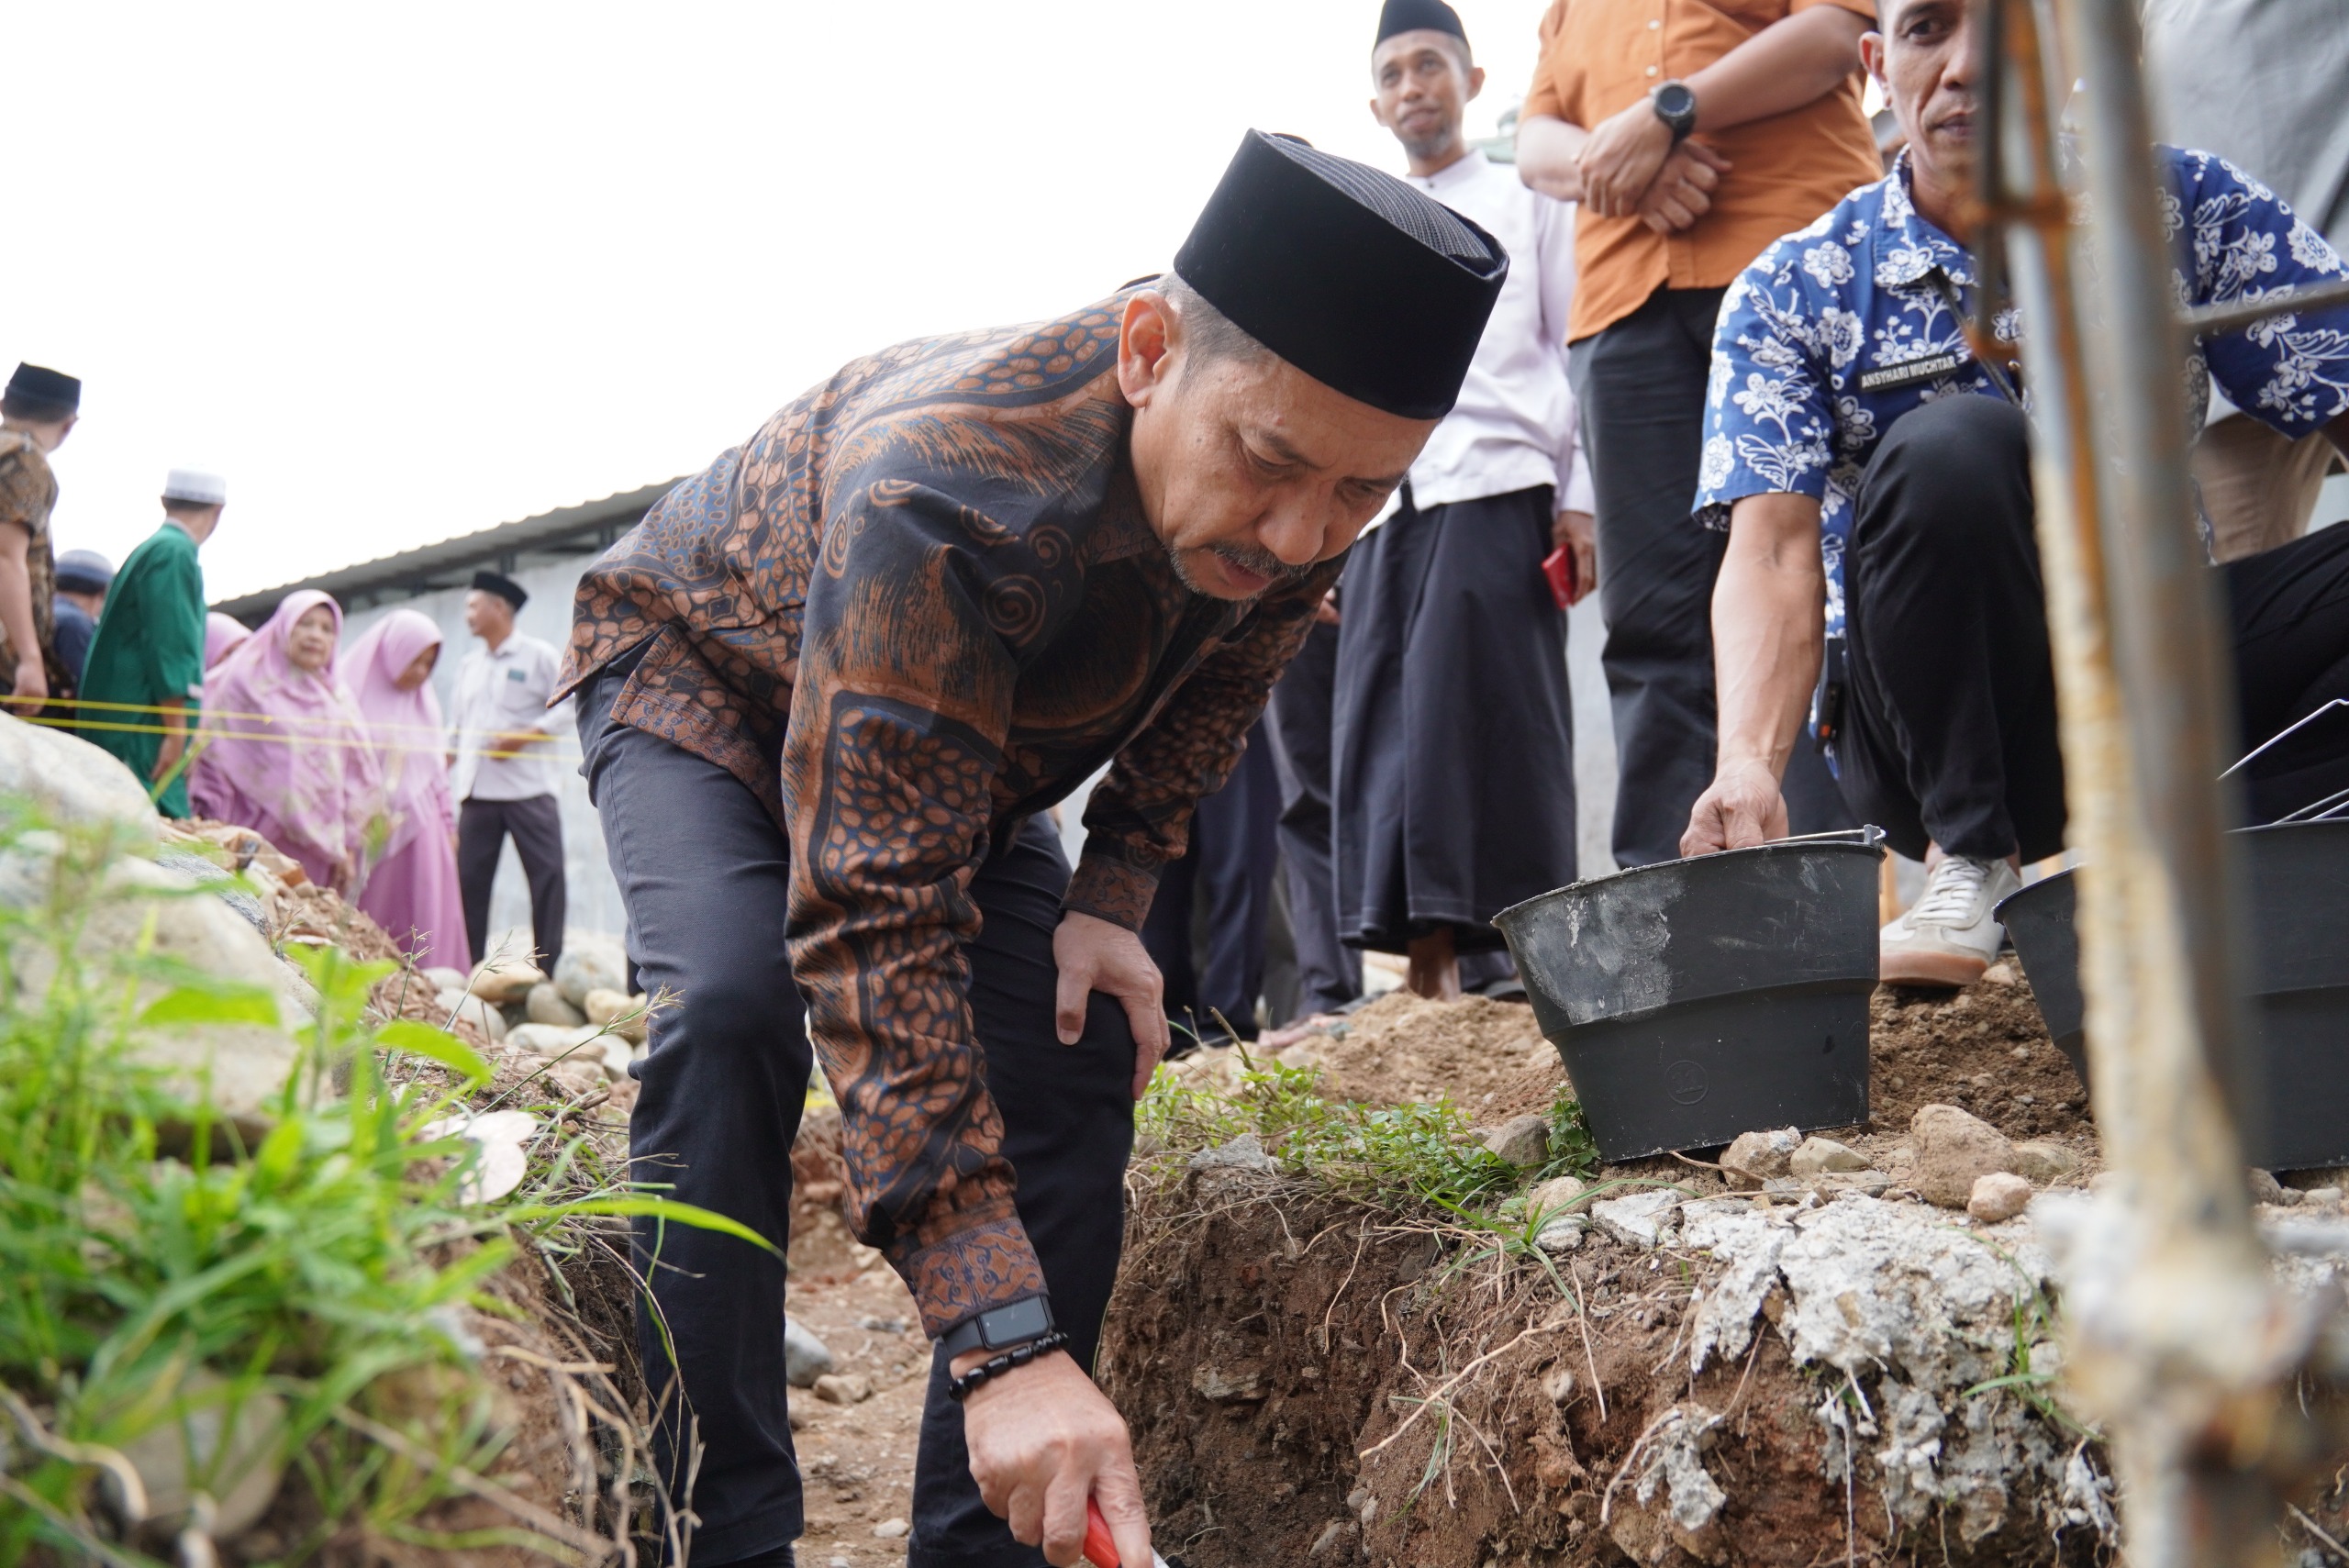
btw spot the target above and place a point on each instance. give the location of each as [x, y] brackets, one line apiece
[704, 871]
[1950, 731]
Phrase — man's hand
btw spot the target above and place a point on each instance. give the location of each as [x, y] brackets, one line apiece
[513, 741]
[1095, 955]
[1575, 534]
[1622, 159]
[167, 756]
[1682, 191]
[1326, 611]
[32, 680]
[1043, 1438]
[1742, 807]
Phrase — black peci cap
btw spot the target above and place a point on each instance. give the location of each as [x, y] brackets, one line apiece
[1412, 16]
[1363, 283]
[52, 393]
[504, 587]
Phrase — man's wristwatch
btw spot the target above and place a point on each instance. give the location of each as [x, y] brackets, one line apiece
[1001, 1329]
[1675, 105]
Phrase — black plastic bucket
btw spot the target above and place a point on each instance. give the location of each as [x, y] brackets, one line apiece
[1698, 999]
[2298, 877]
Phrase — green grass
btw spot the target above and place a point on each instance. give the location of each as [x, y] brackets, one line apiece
[1425, 1154]
[143, 1242]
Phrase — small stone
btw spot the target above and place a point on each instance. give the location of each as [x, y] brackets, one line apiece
[549, 1041]
[1559, 1384]
[503, 980]
[1245, 1152]
[602, 1007]
[2001, 973]
[243, 1480]
[592, 963]
[2043, 1161]
[806, 1358]
[1998, 1195]
[1755, 1157]
[442, 979]
[458, 1003]
[889, 1529]
[1817, 1156]
[546, 1005]
[1522, 1140]
[799, 1418]
[1642, 1219]
[1555, 1195]
[842, 1388]
[882, 1325]
[2266, 1188]
[1874, 1184]
[1953, 1149]
[1334, 1534]
[1562, 1233]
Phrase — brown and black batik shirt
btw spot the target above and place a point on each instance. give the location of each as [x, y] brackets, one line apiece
[919, 605]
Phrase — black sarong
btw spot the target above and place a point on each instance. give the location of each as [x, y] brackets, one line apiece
[1452, 782]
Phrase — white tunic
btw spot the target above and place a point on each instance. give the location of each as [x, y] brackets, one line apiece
[504, 692]
[1514, 427]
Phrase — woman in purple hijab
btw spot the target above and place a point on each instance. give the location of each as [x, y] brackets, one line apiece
[223, 635]
[285, 750]
[413, 892]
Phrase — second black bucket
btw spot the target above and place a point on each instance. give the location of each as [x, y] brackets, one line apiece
[1698, 999]
[2299, 876]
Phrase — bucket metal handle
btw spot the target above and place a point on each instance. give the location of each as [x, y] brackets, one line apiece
[1867, 837]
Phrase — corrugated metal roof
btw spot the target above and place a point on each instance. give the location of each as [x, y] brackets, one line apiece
[567, 530]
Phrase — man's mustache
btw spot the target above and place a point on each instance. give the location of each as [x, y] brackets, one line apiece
[1262, 562]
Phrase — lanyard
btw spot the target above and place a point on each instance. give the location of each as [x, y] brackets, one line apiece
[1948, 291]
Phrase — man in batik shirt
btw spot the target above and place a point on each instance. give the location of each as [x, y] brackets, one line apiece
[1874, 480]
[37, 411]
[826, 691]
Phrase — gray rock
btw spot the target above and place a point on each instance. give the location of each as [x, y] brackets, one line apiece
[501, 981]
[1998, 1195]
[1755, 1157]
[1522, 1140]
[458, 1003]
[1562, 1234]
[72, 783]
[1555, 1195]
[1245, 1152]
[805, 1357]
[1876, 1183]
[546, 1004]
[843, 1388]
[441, 979]
[2043, 1161]
[550, 1040]
[1334, 1537]
[2264, 1188]
[592, 963]
[1956, 1148]
[1818, 1156]
[1642, 1218]
[184, 1453]
[220, 881]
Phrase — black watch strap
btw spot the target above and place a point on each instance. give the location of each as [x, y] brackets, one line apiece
[1000, 1327]
[1675, 105]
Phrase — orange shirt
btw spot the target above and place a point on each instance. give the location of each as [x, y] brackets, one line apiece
[1600, 56]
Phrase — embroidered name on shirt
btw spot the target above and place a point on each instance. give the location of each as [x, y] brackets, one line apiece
[1909, 373]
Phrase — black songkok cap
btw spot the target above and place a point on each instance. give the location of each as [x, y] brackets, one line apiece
[53, 393]
[1363, 283]
[504, 587]
[1411, 15]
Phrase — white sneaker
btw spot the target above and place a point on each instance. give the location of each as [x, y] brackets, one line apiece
[1951, 935]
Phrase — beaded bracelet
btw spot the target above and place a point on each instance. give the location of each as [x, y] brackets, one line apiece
[996, 1366]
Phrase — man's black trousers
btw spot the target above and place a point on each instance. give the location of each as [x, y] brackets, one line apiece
[704, 871]
[1949, 732]
[1224, 879]
[1639, 385]
[537, 827]
[1297, 723]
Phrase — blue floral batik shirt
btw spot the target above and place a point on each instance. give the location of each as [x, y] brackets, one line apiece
[1835, 332]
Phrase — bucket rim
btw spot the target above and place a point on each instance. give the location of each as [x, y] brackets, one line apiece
[1867, 839]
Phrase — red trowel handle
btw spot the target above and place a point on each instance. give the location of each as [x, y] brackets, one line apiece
[1100, 1547]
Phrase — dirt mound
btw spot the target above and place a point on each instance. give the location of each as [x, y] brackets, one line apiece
[1984, 1050]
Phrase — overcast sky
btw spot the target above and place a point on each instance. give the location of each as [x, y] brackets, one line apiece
[405, 271]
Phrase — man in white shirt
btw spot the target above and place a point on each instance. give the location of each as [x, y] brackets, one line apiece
[1452, 740]
[502, 768]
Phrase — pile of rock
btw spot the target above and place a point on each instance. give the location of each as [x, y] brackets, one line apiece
[582, 1019]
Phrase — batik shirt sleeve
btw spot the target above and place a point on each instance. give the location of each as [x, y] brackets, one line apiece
[1138, 817]
[1769, 403]
[2290, 371]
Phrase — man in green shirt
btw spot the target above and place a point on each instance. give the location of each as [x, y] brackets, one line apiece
[149, 652]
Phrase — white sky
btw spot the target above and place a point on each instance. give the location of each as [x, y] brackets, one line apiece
[413, 271]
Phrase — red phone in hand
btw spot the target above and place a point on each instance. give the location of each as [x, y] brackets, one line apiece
[1558, 566]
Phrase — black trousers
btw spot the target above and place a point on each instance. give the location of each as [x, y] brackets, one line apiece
[1452, 780]
[1950, 731]
[1224, 879]
[537, 827]
[704, 871]
[1297, 723]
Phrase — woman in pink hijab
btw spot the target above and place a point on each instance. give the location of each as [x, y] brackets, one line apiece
[223, 635]
[285, 750]
[413, 892]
